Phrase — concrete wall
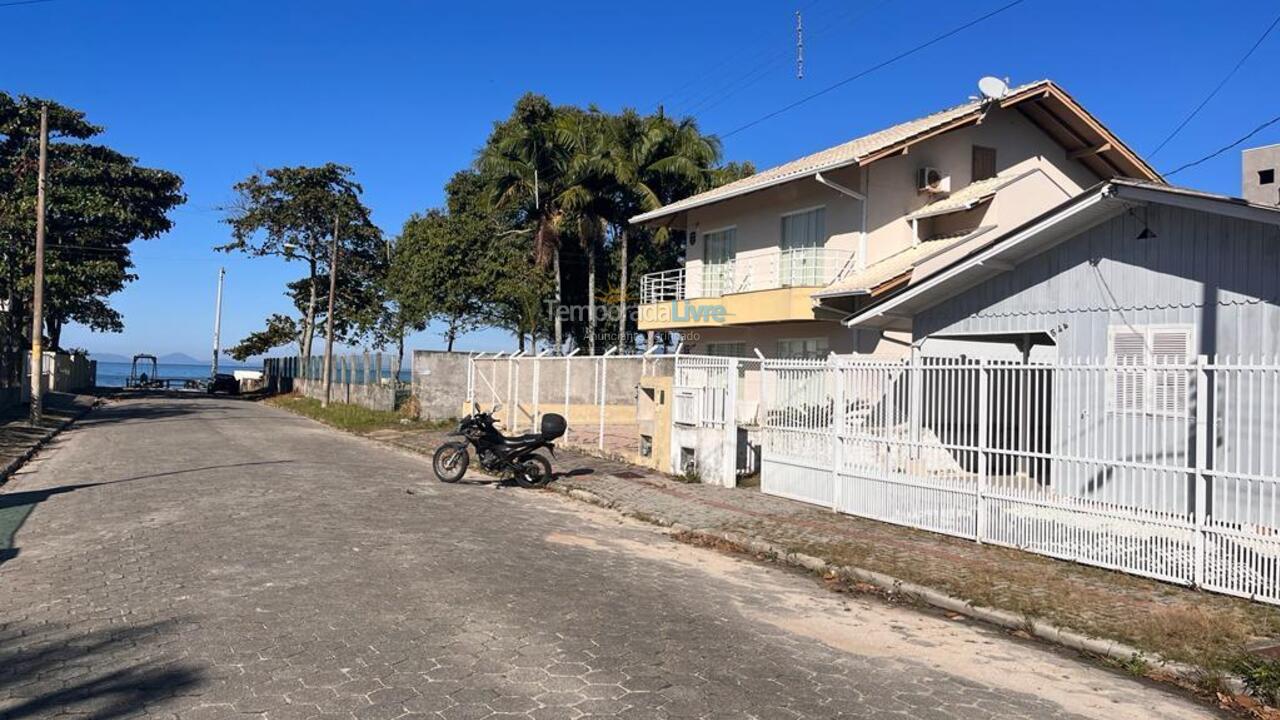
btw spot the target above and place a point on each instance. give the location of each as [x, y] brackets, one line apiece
[439, 383]
[375, 397]
[1253, 161]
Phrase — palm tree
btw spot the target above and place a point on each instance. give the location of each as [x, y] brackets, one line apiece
[589, 196]
[653, 161]
[525, 164]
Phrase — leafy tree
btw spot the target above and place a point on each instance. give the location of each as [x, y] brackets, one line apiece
[280, 330]
[293, 212]
[652, 161]
[523, 163]
[98, 202]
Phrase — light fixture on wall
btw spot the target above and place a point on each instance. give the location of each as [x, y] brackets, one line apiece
[1146, 233]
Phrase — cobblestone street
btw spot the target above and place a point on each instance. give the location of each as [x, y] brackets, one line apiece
[224, 559]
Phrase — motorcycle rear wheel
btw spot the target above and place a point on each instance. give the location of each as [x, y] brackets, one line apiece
[450, 462]
[533, 471]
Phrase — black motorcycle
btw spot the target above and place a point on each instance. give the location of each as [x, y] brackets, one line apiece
[499, 454]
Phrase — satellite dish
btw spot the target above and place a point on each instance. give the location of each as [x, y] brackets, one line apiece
[993, 88]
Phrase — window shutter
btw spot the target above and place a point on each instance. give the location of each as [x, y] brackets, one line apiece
[984, 163]
[1128, 350]
[1169, 387]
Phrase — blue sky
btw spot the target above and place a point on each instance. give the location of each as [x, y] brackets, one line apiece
[405, 92]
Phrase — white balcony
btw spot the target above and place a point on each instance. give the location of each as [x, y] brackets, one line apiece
[797, 267]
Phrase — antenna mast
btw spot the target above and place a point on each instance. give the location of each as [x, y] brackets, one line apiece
[799, 46]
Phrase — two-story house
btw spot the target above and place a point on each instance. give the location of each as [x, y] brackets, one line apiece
[774, 261]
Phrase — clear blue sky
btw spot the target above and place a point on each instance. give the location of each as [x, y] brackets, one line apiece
[405, 92]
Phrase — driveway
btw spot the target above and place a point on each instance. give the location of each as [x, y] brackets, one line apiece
[223, 559]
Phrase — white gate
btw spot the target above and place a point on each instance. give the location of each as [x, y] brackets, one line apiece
[704, 431]
[796, 422]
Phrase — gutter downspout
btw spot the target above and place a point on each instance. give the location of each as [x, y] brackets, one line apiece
[861, 262]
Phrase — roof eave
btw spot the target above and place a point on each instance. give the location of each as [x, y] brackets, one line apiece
[673, 210]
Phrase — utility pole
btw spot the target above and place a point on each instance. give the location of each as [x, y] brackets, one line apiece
[37, 299]
[217, 326]
[328, 321]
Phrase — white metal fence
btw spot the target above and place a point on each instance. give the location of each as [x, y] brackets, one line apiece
[1167, 471]
[598, 395]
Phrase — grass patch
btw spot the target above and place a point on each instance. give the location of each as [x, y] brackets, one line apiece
[352, 418]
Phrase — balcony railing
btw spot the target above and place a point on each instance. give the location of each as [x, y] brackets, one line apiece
[796, 267]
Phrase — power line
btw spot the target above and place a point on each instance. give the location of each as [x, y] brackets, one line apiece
[873, 68]
[1219, 86]
[24, 2]
[1221, 150]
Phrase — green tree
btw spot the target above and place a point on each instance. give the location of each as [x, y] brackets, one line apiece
[280, 330]
[98, 203]
[590, 195]
[524, 163]
[652, 161]
[293, 212]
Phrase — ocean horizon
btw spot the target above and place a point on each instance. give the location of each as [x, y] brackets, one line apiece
[114, 374]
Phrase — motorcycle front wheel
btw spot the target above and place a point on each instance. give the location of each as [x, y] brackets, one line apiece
[533, 471]
[450, 462]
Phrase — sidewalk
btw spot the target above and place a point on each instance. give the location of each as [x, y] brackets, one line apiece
[19, 440]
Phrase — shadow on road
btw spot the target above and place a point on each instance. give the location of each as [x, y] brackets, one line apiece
[49, 671]
[16, 507]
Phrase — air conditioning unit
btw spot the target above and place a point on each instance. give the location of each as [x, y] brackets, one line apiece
[931, 180]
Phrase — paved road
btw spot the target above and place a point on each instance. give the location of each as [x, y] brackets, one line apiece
[221, 559]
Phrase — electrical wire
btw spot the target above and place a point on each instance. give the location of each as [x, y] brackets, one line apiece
[1219, 86]
[885, 63]
[24, 2]
[1221, 150]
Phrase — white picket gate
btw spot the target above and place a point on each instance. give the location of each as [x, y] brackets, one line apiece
[704, 432]
[1167, 471]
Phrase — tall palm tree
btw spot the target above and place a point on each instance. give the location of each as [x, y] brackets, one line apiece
[524, 163]
[653, 161]
[589, 195]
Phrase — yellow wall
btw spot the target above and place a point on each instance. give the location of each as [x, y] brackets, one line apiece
[654, 420]
[761, 306]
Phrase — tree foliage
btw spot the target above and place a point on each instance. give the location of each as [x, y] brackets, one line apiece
[98, 202]
[293, 213]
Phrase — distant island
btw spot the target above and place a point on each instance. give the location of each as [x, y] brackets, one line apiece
[176, 358]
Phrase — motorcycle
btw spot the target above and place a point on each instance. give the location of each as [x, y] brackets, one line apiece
[497, 453]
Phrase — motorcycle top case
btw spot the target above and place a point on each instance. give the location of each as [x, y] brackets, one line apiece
[553, 426]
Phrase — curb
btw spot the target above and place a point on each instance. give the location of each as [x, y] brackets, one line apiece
[14, 465]
[897, 588]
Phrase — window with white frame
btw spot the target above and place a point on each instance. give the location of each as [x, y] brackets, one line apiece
[802, 348]
[717, 261]
[1151, 372]
[803, 235]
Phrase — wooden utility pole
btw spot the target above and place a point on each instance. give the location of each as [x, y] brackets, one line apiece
[328, 321]
[37, 299]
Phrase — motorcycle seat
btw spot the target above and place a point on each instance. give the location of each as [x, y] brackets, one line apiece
[522, 439]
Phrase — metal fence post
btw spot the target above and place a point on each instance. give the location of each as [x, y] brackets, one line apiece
[836, 429]
[984, 383]
[729, 454]
[604, 377]
[1201, 477]
[568, 377]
